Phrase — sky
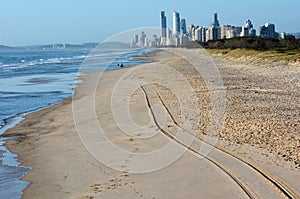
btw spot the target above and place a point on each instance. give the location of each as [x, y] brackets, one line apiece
[33, 22]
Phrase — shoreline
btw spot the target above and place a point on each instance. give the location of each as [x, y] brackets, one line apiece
[35, 140]
[12, 158]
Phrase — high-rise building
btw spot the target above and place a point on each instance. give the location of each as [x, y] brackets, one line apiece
[224, 30]
[268, 30]
[163, 24]
[204, 35]
[135, 41]
[142, 40]
[248, 24]
[216, 21]
[252, 32]
[215, 31]
[154, 42]
[230, 33]
[176, 23]
[237, 31]
[247, 30]
[200, 34]
[183, 26]
[183, 39]
[190, 29]
[207, 35]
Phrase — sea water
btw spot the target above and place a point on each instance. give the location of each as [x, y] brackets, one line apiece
[32, 80]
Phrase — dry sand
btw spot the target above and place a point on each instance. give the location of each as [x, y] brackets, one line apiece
[263, 107]
[262, 118]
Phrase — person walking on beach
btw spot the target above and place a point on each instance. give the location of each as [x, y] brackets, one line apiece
[121, 65]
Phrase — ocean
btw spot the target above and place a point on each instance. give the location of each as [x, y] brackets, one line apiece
[32, 80]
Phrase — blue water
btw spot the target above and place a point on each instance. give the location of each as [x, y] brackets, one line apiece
[31, 80]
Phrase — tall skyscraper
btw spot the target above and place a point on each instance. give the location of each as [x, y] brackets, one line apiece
[163, 24]
[176, 23]
[200, 34]
[183, 26]
[142, 40]
[215, 30]
[216, 21]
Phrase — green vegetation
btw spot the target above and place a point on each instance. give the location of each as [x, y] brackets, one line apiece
[256, 43]
[252, 56]
[256, 50]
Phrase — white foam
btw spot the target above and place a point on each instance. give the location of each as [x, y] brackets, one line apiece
[24, 64]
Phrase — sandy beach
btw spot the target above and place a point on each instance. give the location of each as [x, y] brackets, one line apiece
[261, 125]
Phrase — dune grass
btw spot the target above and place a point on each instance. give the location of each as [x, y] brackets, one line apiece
[280, 55]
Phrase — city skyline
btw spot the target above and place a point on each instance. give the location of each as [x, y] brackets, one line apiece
[33, 22]
[217, 31]
[179, 36]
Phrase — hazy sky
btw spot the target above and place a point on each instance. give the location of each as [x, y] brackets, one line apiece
[25, 22]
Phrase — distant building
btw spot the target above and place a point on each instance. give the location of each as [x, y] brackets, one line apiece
[252, 32]
[230, 33]
[200, 34]
[214, 32]
[169, 37]
[282, 35]
[216, 21]
[181, 34]
[163, 24]
[142, 40]
[268, 31]
[135, 41]
[207, 35]
[183, 26]
[175, 37]
[175, 40]
[248, 24]
[154, 42]
[237, 31]
[247, 30]
[176, 23]
[224, 31]
[203, 35]
[183, 39]
[190, 31]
